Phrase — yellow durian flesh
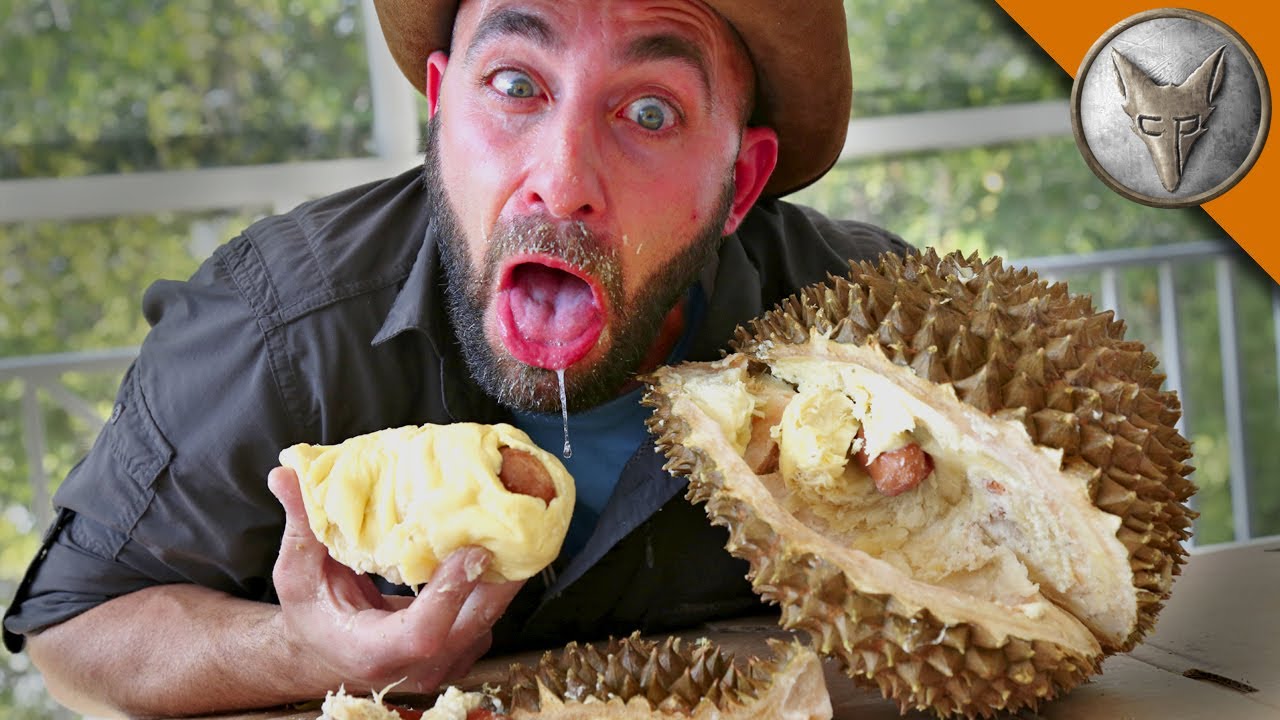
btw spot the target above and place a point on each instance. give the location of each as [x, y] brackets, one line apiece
[952, 545]
[1025, 557]
[397, 502]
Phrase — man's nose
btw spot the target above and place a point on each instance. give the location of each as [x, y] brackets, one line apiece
[564, 180]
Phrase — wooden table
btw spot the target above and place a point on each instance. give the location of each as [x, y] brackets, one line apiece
[1215, 654]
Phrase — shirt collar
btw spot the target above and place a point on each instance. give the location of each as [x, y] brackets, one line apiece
[420, 303]
[421, 306]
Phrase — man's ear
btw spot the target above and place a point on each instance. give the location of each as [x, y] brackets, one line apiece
[757, 156]
[436, 63]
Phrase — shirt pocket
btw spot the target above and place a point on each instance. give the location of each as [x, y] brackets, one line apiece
[115, 482]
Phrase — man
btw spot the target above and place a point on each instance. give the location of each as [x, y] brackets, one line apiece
[598, 199]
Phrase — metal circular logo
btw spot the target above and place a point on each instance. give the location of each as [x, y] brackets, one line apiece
[1170, 108]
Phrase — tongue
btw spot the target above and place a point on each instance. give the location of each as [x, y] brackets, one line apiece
[554, 319]
[549, 306]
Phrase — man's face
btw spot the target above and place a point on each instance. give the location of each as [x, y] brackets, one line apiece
[586, 153]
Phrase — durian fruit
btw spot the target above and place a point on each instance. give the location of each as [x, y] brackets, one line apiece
[1036, 524]
[633, 678]
[396, 502]
[637, 679]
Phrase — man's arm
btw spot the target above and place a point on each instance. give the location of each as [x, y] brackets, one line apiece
[218, 651]
[185, 649]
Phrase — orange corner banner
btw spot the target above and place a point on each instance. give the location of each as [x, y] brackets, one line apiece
[1068, 30]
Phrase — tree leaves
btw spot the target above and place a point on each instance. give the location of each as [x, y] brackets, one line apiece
[128, 85]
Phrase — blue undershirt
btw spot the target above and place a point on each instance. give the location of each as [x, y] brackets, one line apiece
[603, 438]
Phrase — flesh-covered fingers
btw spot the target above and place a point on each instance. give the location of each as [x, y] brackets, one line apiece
[485, 605]
[302, 556]
[449, 666]
[397, 602]
[427, 621]
[468, 656]
[373, 597]
[471, 634]
[283, 483]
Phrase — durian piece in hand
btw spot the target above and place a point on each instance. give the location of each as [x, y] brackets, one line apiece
[959, 479]
[397, 502]
[634, 678]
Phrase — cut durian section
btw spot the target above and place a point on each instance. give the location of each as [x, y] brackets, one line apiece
[635, 678]
[1040, 523]
[956, 545]
[632, 678]
[997, 535]
[1000, 517]
[396, 502]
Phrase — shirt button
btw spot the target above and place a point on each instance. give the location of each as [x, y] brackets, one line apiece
[116, 411]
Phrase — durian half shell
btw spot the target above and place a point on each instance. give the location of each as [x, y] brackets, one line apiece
[1045, 537]
[633, 678]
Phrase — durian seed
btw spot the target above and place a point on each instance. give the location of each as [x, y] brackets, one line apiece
[894, 472]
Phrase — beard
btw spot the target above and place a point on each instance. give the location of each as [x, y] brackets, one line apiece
[631, 328]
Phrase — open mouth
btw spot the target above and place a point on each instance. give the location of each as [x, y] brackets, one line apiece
[549, 314]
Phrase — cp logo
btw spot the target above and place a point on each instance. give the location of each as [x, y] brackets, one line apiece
[1170, 108]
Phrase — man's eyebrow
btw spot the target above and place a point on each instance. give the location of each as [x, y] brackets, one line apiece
[507, 22]
[670, 47]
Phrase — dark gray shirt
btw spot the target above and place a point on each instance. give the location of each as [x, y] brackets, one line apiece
[327, 322]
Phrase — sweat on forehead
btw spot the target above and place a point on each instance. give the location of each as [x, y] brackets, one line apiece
[687, 31]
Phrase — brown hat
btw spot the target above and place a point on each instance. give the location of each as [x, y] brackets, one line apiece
[800, 50]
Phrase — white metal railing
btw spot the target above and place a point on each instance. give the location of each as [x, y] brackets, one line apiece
[1226, 257]
[396, 140]
[957, 128]
[43, 373]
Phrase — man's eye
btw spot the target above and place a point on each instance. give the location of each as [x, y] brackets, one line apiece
[650, 113]
[514, 83]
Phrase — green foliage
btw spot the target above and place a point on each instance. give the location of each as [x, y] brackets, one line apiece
[78, 286]
[72, 286]
[127, 85]
[121, 86]
[913, 55]
[1017, 200]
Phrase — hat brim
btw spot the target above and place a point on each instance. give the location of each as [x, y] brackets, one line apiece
[799, 49]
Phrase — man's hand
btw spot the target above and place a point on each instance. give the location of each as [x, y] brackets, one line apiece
[183, 649]
[347, 630]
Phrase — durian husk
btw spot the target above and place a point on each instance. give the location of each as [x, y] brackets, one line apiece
[1024, 370]
[634, 678]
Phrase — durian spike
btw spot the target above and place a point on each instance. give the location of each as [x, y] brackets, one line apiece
[644, 679]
